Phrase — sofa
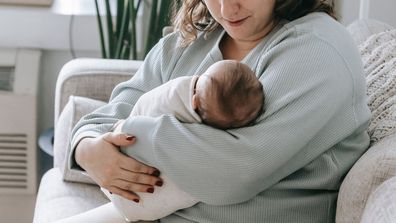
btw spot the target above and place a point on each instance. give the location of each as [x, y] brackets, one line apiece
[368, 191]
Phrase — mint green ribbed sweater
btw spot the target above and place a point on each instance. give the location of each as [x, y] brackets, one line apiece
[286, 168]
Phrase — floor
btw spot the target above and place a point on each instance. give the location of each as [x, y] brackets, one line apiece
[17, 208]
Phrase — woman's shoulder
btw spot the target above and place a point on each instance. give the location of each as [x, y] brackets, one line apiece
[316, 22]
[319, 34]
[322, 28]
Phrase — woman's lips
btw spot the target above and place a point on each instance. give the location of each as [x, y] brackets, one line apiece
[236, 22]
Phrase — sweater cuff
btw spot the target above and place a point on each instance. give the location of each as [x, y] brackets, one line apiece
[144, 129]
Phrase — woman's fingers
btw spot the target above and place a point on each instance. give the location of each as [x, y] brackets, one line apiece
[124, 193]
[140, 178]
[130, 164]
[131, 186]
[112, 170]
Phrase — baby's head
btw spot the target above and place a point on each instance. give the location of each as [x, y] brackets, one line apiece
[228, 95]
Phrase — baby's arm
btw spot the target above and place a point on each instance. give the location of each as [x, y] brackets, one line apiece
[164, 201]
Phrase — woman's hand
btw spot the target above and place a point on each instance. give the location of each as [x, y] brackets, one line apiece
[112, 170]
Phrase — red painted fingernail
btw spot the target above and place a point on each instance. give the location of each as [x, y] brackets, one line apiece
[136, 200]
[159, 183]
[156, 173]
[130, 138]
[150, 190]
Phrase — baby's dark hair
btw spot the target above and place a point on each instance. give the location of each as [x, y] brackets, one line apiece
[238, 94]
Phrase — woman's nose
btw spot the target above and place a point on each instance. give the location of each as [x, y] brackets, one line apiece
[230, 9]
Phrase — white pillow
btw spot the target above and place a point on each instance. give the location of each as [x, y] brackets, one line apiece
[71, 114]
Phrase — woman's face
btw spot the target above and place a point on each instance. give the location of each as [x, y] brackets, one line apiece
[243, 20]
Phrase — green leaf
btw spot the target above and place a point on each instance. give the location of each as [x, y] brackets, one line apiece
[123, 31]
[122, 41]
[133, 29]
[101, 34]
[109, 20]
[119, 16]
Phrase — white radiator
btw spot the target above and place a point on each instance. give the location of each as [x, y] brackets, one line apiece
[19, 70]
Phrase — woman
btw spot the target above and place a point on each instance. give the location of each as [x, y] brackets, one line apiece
[286, 168]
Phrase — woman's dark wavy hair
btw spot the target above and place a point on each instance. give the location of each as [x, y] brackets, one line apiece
[193, 16]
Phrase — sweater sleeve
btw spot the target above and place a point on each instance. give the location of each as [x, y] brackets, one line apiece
[122, 100]
[307, 85]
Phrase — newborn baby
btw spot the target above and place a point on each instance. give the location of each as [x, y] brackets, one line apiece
[228, 95]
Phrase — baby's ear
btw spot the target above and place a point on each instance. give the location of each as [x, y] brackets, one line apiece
[195, 101]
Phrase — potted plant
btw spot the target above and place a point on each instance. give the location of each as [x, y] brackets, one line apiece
[120, 40]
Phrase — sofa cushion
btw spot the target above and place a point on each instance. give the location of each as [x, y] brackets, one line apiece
[71, 114]
[58, 199]
[381, 205]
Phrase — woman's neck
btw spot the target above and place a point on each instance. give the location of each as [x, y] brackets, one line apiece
[234, 49]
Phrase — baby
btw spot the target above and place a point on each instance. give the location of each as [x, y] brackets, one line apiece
[228, 95]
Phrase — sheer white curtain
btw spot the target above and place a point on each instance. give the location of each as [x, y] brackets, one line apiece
[364, 9]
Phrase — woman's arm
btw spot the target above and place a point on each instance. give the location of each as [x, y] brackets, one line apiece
[96, 148]
[309, 109]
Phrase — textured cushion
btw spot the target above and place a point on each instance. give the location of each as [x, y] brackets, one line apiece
[379, 59]
[381, 206]
[58, 199]
[73, 111]
[374, 167]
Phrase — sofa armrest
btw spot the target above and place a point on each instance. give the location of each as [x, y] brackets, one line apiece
[381, 205]
[376, 165]
[91, 78]
[82, 86]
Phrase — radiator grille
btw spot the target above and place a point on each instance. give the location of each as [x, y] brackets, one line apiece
[7, 78]
[13, 162]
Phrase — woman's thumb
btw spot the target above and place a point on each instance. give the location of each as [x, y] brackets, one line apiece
[119, 139]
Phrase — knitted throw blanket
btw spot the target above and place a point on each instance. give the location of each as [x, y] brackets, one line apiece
[379, 59]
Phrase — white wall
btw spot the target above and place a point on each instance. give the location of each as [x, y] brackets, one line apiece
[383, 10]
[40, 28]
[51, 63]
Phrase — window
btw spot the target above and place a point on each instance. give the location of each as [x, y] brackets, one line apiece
[27, 2]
